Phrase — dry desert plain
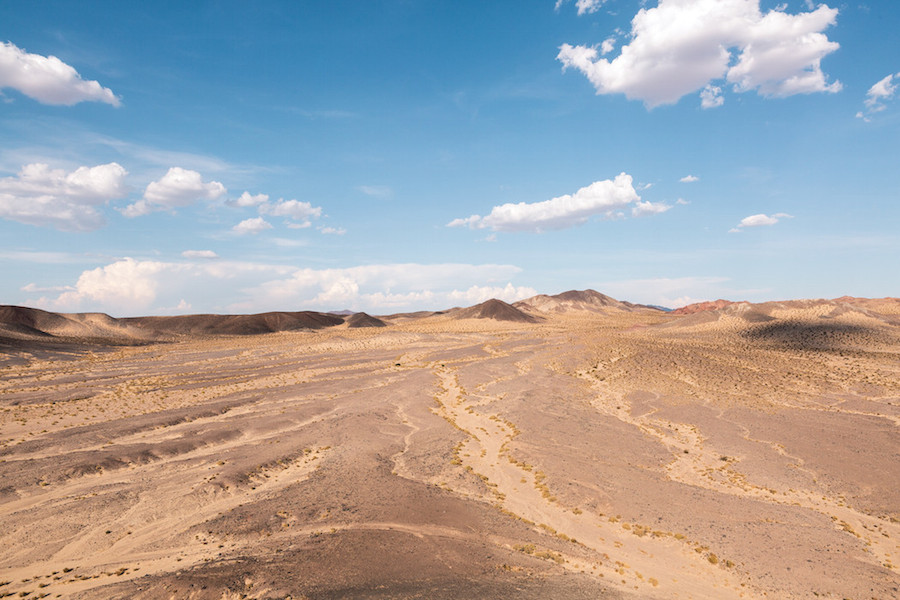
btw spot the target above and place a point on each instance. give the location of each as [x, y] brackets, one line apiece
[588, 449]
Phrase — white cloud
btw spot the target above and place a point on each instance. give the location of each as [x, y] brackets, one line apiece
[199, 254]
[646, 209]
[878, 94]
[378, 191]
[689, 179]
[147, 286]
[251, 226]
[608, 45]
[42, 196]
[246, 199]
[139, 287]
[757, 221]
[760, 220]
[333, 230]
[301, 212]
[602, 198]
[178, 187]
[711, 97]
[680, 47]
[48, 79]
[584, 7]
[122, 285]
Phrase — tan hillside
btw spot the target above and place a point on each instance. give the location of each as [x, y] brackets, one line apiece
[573, 300]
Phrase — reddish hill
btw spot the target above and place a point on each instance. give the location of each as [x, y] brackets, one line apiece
[701, 307]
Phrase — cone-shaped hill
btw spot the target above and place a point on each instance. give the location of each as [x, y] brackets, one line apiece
[362, 319]
[497, 310]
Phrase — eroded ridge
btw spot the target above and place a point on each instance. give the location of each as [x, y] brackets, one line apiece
[656, 565]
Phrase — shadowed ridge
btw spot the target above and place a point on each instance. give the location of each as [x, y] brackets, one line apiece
[497, 310]
[31, 320]
[269, 322]
[362, 319]
[23, 323]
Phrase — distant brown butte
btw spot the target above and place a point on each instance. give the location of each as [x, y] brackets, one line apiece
[497, 310]
[362, 319]
[702, 306]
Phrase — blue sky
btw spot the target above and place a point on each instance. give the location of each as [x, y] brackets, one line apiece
[180, 157]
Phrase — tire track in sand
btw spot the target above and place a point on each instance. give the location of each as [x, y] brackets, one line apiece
[658, 567]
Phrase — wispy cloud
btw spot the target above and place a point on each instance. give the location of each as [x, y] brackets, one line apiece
[760, 220]
[584, 7]
[199, 254]
[332, 230]
[49, 258]
[677, 291]
[33, 288]
[878, 96]
[378, 191]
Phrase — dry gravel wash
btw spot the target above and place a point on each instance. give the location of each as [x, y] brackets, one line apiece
[582, 457]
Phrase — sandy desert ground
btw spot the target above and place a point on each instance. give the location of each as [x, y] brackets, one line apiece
[750, 451]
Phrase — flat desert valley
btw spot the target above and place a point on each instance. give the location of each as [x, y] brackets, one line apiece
[565, 447]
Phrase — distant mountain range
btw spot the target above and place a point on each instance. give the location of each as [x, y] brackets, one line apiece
[18, 323]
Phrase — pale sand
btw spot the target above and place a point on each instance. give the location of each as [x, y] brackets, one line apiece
[585, 456]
